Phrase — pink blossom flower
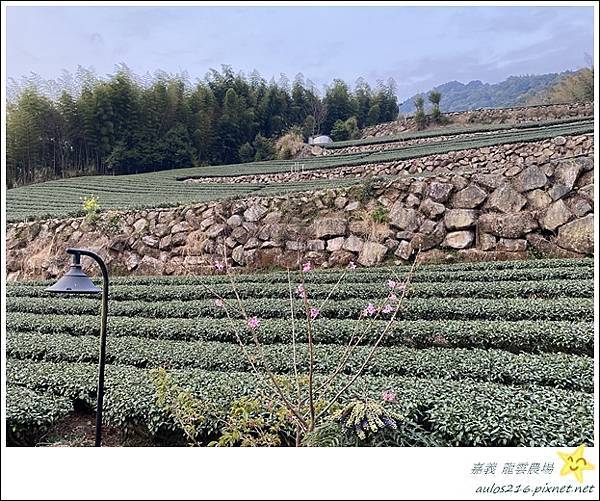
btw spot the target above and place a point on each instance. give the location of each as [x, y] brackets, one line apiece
[306, 267]
[400, 287]
[392, 298]
[300, 290]
[388, 308]
[314, 313]
[219, 303]
[219, 265]
[392, 284]
[389, 395]
[352, 265]
[253, 323]
[370, 310]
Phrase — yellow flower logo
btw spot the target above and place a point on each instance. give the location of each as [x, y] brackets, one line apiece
[575, 463]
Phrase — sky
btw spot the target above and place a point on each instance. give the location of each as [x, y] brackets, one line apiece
[419, 47]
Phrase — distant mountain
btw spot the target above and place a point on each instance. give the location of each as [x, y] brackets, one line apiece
[514, 91]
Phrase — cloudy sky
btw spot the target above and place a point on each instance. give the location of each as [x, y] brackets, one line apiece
[419, 47]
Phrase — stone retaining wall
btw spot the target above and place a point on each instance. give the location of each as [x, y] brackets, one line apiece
[494, 213]
[490, 116]
[397, 144]
[488, 157]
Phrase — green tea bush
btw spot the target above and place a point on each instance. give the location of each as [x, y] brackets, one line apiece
[557, 370]
[469, 414]
[361, 290]
[30, 414]
[534, 336]
[575, 309]
[477, 271]
[509, 346]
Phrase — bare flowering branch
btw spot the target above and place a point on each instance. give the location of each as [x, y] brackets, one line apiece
[294, 349]
[376, 345]
[306, 267]
[333, 289]
[253, 324]
[371, 313]
[304, 410]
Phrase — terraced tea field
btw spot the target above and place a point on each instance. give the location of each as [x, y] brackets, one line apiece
[451, 130]
[496, 353]
[62, 198]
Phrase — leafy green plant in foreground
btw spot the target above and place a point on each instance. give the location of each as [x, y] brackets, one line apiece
[259, 420]
[187, 410]
[367, 417]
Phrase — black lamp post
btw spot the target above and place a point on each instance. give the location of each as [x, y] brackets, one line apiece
[75, 281]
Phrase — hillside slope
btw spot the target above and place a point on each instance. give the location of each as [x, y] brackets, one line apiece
[63, 197]
[513, 91]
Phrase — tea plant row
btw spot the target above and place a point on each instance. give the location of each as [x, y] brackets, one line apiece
[451, 131]
[558, 370]
[577, 309]
[360, 290]
[459, 413]
[535, 336]
[580, 269]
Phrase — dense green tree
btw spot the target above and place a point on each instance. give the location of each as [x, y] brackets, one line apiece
[177, 149]
[363, 96]
[339, 132]
[339, 103]
[204, 110]
[246, 153]
[387, 100]
[230, 127]
[123, 159]
[434, 98]
[83, 124]
[21, 144]
[125, 105]
[35, 139]
[309, 127]
[420, 117]
[263, 148]
[344, 130]
[74, 152]
[104, 126]
[300, 103]
[373, 115]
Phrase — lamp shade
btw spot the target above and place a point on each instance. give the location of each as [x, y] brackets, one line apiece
[75, 281]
